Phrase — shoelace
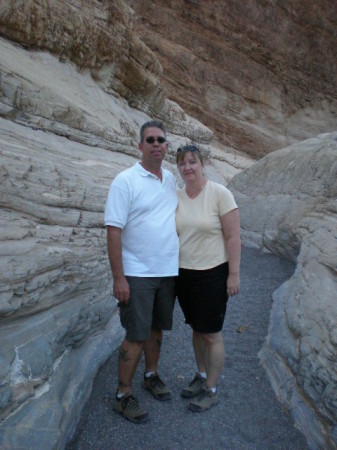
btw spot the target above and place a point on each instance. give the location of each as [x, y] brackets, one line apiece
[194, 381]
[156, 381]
[131, 402]
[205, 394]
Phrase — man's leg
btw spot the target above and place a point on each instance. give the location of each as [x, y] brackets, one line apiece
[152, 381]
[129, 357]
[136, 318]
[125, 403]
[162, 316]
[152, 348]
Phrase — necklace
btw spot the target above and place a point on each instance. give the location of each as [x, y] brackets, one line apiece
[195, 194]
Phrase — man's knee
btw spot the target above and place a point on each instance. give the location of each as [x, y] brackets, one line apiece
[128, 349]
[128, 343]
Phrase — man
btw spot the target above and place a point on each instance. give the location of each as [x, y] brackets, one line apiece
[143, 251]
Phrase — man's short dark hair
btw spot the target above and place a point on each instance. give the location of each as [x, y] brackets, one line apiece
[152, 124]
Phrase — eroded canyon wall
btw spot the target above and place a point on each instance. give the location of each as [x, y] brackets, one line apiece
[261, 74]
[71, 78]
[77, 79]
[288, 204]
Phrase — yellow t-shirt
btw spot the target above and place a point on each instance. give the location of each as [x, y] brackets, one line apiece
[201, 240]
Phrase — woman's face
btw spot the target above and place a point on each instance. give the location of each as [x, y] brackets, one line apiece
[190, 167]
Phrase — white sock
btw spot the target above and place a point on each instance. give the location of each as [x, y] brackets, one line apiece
[213, 389]
[203, 374]
[120, 395]
[148, 374]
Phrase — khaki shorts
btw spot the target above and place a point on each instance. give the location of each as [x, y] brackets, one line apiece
[150, 306]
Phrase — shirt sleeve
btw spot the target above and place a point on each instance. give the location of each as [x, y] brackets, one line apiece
[118, 204]
[226, 201]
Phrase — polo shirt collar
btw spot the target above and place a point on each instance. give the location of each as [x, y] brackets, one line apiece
[146, 173]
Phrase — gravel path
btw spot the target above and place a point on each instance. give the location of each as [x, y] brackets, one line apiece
[248, 415]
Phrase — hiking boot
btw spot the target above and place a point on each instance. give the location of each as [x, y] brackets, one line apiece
[129, 407]
[157, 387]
[205, 401]
[196, 386]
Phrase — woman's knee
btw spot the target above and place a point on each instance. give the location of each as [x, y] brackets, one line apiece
[211, 339]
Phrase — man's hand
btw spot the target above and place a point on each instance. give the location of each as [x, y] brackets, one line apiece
[121, 290]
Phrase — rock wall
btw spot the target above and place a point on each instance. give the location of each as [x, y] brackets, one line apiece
[98, 38]
[93, 35]
[77, 79]
[288, 206]
[64, 135]
[261, 74]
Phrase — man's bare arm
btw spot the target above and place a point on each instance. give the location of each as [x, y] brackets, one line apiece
[121, 287]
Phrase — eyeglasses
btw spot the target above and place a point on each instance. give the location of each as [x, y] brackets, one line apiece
[159, 139]
[188, 148]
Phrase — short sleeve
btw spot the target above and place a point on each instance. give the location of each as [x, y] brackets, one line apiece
[226, 201]
[118, 203]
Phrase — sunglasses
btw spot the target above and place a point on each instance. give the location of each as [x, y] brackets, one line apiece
[159, 139]
[188, 148]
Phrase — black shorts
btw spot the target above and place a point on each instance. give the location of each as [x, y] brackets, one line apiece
[202, 296]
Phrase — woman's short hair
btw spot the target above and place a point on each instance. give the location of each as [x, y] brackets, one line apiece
[181, 152]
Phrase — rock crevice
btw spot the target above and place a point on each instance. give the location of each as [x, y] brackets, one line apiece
[298, 219]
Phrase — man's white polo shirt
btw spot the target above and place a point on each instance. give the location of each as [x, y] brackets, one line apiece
[144, 208]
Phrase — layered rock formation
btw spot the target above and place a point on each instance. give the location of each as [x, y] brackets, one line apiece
[77, 79]
[64, 134]
[288, 205]
[98, 38]
[261, 74]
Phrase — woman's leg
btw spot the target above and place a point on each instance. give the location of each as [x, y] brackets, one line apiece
[197, 385]
[214, 357]
[199, 351]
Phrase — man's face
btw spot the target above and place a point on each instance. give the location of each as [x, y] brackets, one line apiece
[153, 148]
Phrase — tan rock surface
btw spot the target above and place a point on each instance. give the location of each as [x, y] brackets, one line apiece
[63, 138]
[288, 204]
[260, 74]
[56, 291]
[97, 36]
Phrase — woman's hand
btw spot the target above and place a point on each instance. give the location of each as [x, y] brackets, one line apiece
[233, 284]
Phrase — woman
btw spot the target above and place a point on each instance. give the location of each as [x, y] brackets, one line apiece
[208, 227]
